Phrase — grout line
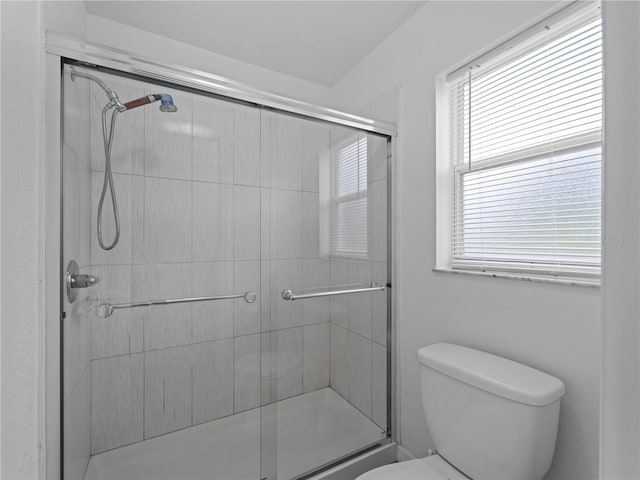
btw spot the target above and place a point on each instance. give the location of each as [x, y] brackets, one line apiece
[233, 376]
[73, 389]
[302, 359]
[330, 349]
[144, 394]
[212, 340]
[182, 179]
[371, 380]
[355, 333]
[191, 276]
[77, 156]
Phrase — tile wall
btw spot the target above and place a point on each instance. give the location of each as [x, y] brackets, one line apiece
[359, 321]
[217, 198]
[385, 107]
[223, 198]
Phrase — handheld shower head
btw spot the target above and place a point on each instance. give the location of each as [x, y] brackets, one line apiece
[166, 102]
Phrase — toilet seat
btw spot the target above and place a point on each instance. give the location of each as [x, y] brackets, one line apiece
[433, 467]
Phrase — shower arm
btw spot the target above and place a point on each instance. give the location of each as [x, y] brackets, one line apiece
[166, 100]
[113, 96]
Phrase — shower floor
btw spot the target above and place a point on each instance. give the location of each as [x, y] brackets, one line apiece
[310, 430]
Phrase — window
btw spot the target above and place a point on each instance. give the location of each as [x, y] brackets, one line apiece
[526, 157]
[349, 226]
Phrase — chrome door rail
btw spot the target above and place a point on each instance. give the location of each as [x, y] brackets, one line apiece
[106, 309]
[105, 56]
[373, 287]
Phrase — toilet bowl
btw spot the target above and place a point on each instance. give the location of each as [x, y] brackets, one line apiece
[490, 418]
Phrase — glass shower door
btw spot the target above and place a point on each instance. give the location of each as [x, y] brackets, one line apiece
[220, 199]
[158, 381]
[76, 261]
[324, 232]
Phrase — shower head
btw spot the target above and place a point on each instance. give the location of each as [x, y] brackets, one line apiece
[166, 102]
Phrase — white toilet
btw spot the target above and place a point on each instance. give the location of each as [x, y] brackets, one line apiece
[490, 418]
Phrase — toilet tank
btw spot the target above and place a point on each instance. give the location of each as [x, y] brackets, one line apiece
[490, 417]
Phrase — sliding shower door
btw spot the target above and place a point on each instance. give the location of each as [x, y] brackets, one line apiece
[182, 359]
[324, 208]
[76, 260]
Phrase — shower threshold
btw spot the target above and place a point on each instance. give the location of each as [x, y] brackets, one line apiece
[310, 430]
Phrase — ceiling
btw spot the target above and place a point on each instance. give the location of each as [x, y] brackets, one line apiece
[317, 41]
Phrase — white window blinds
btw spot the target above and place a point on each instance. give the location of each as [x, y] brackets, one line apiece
[350, 235]
[527, 158]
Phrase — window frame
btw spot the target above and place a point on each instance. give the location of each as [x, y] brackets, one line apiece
[450, 172]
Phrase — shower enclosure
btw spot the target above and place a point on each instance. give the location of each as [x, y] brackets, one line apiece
[240, 328]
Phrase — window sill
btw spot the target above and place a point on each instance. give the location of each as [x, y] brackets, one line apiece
[576, 282]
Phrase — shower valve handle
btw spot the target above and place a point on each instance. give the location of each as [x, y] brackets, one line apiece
[75, 280]
[83, 280]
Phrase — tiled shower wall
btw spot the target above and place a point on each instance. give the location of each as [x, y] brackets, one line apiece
[367, 352]
[359, 342]
[221, 198]
[359, 321]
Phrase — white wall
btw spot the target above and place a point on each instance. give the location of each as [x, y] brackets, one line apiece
[22, 179]
[620, 432]
[551, 327]
[21, 110]
[172, 52]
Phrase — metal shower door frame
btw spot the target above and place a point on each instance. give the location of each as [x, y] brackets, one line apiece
[99, 55]
[60, 49]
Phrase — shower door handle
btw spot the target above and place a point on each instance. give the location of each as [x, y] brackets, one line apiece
[75, 280]
[372, 287]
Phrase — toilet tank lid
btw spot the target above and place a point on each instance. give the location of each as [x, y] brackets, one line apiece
[494, 374]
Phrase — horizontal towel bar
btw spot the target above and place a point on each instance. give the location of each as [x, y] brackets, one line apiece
[373, 287]
[106, 309]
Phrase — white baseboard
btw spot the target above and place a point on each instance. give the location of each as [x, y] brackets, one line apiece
[404, 455]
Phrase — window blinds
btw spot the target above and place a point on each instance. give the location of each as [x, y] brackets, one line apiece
[527, 158]
[350, 233]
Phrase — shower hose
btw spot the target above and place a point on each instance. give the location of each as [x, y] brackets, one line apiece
[107, 136]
